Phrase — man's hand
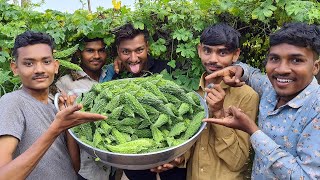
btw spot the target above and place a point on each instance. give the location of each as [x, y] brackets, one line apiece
[70, 116]
[215, 99]
[235, 118]
[176, 162]
[230, 75]
[117, 65]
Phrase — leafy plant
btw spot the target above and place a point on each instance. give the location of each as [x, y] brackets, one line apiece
[174, 26]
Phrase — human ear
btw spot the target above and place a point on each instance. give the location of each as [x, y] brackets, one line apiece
[199, 50]
[236, 55]
[14, 68]
[316, 67]
[56, 66]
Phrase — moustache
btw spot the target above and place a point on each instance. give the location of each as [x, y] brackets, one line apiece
[100, 60]
[39, 77]
[213, 64]
[280, 76]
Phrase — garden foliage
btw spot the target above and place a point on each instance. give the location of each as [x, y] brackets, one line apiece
[174, 25]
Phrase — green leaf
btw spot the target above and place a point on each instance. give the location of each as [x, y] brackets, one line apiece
[66, 53]
[186, 50]
[138, 25]
[172, 63]
[69, 65]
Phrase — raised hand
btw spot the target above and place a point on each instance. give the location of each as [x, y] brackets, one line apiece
[71, 116]
[117, 65]
[230, 75]
[236, 119]
[176, 162]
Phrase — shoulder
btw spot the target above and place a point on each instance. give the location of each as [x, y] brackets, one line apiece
[157, 65]
[12, 97]
[64, 79]
[161, 62]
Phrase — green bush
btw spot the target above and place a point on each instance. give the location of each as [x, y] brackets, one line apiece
[174, 25]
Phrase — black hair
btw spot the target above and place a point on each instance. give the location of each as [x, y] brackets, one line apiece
[221, 34]
[31, 38]
[127, 31]
[298, 34]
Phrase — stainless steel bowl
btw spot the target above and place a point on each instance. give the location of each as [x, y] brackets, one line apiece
[143, 161]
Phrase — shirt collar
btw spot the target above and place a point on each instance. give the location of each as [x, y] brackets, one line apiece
[304, 95]
[77, 75]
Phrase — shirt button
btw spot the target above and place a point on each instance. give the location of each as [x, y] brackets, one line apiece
[201, 169]
[202, 148]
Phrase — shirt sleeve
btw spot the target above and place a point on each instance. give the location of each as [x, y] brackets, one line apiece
[11, 118]
[231, 145]
[254, 78]
[109, 73]
[280, 163]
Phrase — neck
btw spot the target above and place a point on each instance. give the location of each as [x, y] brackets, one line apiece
[40, 95]
[282, 101]
[95, 75]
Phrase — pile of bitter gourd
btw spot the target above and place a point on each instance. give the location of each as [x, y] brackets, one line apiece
[144, 115]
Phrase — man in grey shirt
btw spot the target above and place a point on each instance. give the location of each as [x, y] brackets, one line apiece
[92, 58]
[33, 142]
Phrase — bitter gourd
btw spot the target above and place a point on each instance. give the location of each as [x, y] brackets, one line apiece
[137, 108]
[132, 147]
[163, 118]
[177, 129]
[194, 125]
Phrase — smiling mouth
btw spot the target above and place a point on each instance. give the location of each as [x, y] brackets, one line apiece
[133, 63]
[96, 61]
[40, 78]
[282, 80]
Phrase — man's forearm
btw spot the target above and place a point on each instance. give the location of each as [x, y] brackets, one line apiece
[22, 166]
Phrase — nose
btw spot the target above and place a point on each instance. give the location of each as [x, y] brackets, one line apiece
[96, 55]
[134, 56]
[39, 68]
[214, 57]
[283, 68]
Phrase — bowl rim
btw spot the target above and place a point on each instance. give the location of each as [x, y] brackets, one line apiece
[203, 125]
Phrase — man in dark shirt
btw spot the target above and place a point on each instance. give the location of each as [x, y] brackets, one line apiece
[133, 49]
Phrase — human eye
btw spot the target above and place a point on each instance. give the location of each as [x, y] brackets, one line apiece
[296, 60]
[102, 50]
[273, 59]
[140, 50]
[206, 50]
[28, 63]
[125, 51]
[89, 50]
[223, 52]
[47, 61]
